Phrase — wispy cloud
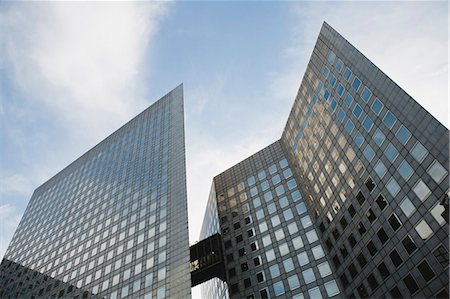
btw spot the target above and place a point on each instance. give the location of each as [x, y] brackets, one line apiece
[72, 73]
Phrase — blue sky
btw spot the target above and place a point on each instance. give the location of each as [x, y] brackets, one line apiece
[72, 73]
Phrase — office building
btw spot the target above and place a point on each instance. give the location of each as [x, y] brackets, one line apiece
[112, 224]
[350, 202]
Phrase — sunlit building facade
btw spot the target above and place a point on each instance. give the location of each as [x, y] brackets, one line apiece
[113, 224]
[350, 202]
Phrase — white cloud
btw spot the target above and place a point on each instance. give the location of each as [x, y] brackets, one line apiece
[15, 184]
[9, 220]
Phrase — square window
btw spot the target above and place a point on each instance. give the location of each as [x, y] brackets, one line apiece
[339, 65]
[437, 213]
[311, 236]
[378, 137]
[366, 94]
[372, 248]
[395, 293]
[380, 169]
[391, 152]
[356, 83]
[394, 222]
[314, 293]
[331, 288]
[303, 258]
[297, 242]
[371, 215]
[393, 187]
[333, 104]
[324, 269]
[293, 282]
[370, 184]
[288, 265]
[377, 106]
[426, 271]
[340, 90]
[395, 258]
[318, 252]
[361, 228]
[437, 171]
[441, 255]
[419, 152]
[348, 100]
[405, 170]
[409, 245]
[407, 207]
[349, 126]
[372, 281]
[411, 284]
[352, 270]
[361, 260]
[369, 153]
[367, 123]
[384, 271]
[284, 249]
[381, 202]
[341, 115]
[260, 277]
[270, 255]
[423, 229]
[247, 283]
[331, 57]
[389, 119]
[422, 191]
[347, 74]
[257, 261]
[382, 236]
[244, 267]
[403, 135]
[308, 276]
[274, 271]
[359, 139]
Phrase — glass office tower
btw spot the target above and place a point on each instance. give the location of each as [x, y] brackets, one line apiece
[350, 202]
[113, 224]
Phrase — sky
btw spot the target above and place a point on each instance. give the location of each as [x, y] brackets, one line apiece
[72, 73]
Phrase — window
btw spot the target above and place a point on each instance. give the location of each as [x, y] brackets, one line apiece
[372, 281]
[382, 236]
[407, 207]
[437, 171]
[331, 288]
[331, 57]
[403, 135]
[361, 260]
[370, 184]
[380, 169]
[308, 276]
[351, 210]
[303, 258]
[242, 252]
[362, 291]
[393, 187]
[419, 152]
[288, 265]
[361, 228]
[405, 170]
[324, 269]
[410, 284]
[283, 249]
[274, 271]
[293, 282]
[237, 225]
[339, 65]
[349, 126]
[378, 137]
[395, 293]
[347, 74]
[244, 267]
[367, 123]
[356, 83]
[352, 270]
[318, 252]
[395, 258]
[270, 255]
[394, 222]
[366, 94]
[383, 270]
[264, 294]
[371, 215]
[391, 152]
[423, 229]
[372, 248]
[247, 283]
[389, 119]
[340, 90]
[409, 245]
[426, 271]
[369, 153]
[352, 240]
[348, 100]
[377, 106]
[359, 139]
[341, 115]
[437, 212]
[260, 277]
[381, 202]
[441, 255]
[333, 104]
[314, 293]
[422, 191]
[257, 261]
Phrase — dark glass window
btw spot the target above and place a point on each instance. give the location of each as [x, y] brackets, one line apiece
[384, 272]
[237, 225]
[356, 83]
[426, 271]
[329, 243]
[395, 292]
[372, 248]
[352, 240]
[260, 277]
[234, 288]
[410, 284]
[239, 238]
[360, 197]
[242, 252]
[352, 270]
[250, 233]
[322, 227]
[253, 246]
[256, 261]
[441, 255]
[370, 184]
[362, 291]
[361, 228]
[361, 260]
[336, 261]
[370, 215]
[381, 202]
[232, 272]
[396, 258]
[229, 258]
[264, 294]
[351, 210]
[244, 267]
[409, 244]
[227, 244]
[442, 294]
[248, 220]
[247, 283]
[372, 281]
[344, 279]
[357, 111]
[343, 251]
[224, 219]
[393, 221]
[382, 236]
[336, 234]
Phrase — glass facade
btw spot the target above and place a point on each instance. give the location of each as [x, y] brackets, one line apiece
[107, 223]
[348, 203]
